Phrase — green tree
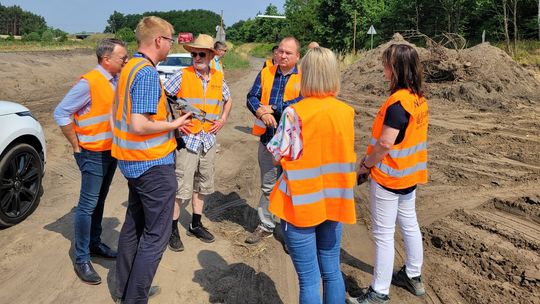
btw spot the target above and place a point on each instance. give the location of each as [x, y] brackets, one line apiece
[194, 21]
[115, 22]
[33, 36]
[47, 36]
[125, 34]
[15, 21]
[268, 29]
[302, 20]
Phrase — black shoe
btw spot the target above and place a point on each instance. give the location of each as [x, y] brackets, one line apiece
[175, 243]
[103, 251]
[87, 274]
[201, 233]
[153, 291]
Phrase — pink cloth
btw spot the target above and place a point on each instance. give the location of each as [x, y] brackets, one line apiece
[287, 142]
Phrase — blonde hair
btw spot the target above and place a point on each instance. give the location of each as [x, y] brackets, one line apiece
[320, 73]
[151, 27]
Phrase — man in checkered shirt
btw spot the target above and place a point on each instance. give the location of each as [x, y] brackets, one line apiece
[195, 164]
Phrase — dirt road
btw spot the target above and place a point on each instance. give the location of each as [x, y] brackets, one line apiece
[479, 214]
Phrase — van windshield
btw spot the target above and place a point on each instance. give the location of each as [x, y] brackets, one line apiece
[177, 61]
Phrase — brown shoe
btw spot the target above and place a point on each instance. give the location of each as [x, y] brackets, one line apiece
[257, 235]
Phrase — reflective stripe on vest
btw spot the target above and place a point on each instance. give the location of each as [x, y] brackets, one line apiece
[405, 165]
[404, 152]
[209, 100]
[92, 120]
[93, 138]
[318, 186]
[316, 172]
[401, 173]
[93, 128]
[127, 145]
[292, 91]
[328, 193]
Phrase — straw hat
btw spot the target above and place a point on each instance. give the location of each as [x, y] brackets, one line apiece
[202, 41]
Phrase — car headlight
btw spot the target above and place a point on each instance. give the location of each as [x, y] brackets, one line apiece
[26, 113]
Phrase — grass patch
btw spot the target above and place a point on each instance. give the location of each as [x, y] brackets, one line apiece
[235, 60]
[528, 52]
[346, 59]
[262, 50]
[30, 46]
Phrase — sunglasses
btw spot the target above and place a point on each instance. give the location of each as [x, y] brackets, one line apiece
[200, 54]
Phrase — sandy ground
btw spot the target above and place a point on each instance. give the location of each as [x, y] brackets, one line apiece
[480, 213]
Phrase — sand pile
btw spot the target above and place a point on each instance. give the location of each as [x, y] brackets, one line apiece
[483, 76]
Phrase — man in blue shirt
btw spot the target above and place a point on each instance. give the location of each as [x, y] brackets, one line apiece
[144, 144]
[83, 116]
[220, 49]
[288, 55]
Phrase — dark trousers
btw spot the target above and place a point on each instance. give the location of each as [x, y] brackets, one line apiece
[145, 232]
[97, 171]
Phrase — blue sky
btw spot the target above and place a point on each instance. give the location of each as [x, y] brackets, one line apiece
[91, 15]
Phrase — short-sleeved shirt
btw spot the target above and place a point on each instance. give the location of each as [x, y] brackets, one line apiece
[145, 94]
[195, 141]
[396, 117]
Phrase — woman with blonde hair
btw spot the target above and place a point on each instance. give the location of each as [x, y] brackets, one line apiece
[314, 196]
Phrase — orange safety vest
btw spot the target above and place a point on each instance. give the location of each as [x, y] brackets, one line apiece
[319, 185]
[405, 165]
[292, 90]
[208, 101]
[127, 145]
[93, 128]
[217, 68]
[269, 63]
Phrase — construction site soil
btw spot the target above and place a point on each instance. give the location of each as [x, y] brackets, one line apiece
[479, 213]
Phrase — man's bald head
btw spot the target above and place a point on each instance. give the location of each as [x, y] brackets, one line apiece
[312, 45]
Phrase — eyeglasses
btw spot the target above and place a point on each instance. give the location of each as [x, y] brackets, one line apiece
[123, 59]
[200, 54]
[171, 41]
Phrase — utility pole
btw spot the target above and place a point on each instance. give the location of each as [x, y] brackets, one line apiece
[222, 20]
[354, 34]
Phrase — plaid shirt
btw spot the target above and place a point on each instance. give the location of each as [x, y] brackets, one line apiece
[194, 141]
[276, 99]
[145, 94]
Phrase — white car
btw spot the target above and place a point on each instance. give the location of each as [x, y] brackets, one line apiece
[22, 163]
[172, 64]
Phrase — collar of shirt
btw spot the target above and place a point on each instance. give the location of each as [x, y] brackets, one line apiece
[105, 73]
[293, 71]
[201, 76]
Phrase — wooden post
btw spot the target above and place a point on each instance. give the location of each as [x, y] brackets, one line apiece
[354, 34]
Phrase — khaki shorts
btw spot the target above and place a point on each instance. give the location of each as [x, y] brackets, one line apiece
[195, 172]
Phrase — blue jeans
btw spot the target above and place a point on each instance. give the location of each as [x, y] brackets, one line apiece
[315, 253]
[97, 171]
